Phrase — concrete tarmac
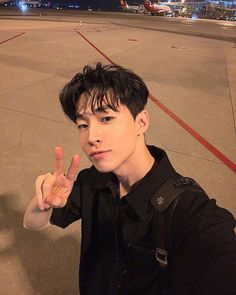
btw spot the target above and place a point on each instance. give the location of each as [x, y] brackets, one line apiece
[190, 69]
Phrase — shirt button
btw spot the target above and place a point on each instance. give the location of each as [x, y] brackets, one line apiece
[125, 272]
[119, 286]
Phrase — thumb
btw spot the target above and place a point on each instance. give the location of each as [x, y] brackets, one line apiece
[55, 201]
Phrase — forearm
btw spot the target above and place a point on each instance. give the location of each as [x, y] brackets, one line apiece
[36, 219]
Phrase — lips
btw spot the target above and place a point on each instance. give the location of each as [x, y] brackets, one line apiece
[99, 154]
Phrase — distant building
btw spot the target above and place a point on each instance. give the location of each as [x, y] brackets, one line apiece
[30, 3]
[225, 3]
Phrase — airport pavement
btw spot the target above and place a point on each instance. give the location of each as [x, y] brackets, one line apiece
[190, 69]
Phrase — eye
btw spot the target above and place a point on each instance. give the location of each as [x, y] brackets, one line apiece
[82, 126]
[107, 119]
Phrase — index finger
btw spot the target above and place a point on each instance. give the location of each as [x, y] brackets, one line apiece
[59, 158]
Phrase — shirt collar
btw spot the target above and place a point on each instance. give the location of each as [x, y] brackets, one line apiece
[107, 181]
[139, 197]
[162, 170]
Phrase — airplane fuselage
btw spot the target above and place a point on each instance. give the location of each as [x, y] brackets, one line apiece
[156, 8]
[131, 8]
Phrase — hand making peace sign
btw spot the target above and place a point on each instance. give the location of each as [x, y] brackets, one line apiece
[53, 190]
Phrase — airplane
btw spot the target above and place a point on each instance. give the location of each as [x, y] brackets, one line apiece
[131, 8]
[156, 9]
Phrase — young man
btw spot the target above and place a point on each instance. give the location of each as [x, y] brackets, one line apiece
[114, 198]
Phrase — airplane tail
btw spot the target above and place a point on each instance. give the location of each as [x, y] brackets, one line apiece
[147, 3]
[123, 3]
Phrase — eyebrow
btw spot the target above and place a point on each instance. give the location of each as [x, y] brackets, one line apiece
[98, 110]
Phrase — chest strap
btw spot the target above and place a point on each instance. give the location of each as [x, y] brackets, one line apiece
[165, 201]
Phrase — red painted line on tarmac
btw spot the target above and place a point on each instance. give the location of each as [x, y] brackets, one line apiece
[197, 136]
[230, 164]
[104, 55]
[12, 38]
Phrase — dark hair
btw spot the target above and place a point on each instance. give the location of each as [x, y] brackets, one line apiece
[105, 86]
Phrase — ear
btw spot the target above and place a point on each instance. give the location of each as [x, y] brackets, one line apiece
[142, 122]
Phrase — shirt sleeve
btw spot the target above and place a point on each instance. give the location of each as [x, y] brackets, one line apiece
[204, 260]
[71, 212]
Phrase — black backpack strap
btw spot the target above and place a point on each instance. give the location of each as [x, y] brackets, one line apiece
[165, 201]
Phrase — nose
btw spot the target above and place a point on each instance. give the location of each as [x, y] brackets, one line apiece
[94, 134]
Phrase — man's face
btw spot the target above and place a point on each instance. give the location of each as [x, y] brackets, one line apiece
[108, 138]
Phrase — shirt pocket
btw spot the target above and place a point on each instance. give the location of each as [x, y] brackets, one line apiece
[140, 259]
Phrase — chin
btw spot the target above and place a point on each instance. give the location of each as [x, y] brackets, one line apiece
[103, 169]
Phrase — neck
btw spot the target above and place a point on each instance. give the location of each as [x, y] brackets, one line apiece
[135, 170]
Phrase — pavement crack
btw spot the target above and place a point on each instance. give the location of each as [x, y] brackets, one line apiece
[32, 115]
[191, 156]
[230, 91]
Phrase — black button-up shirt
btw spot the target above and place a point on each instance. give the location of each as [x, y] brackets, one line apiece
[117, 246]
